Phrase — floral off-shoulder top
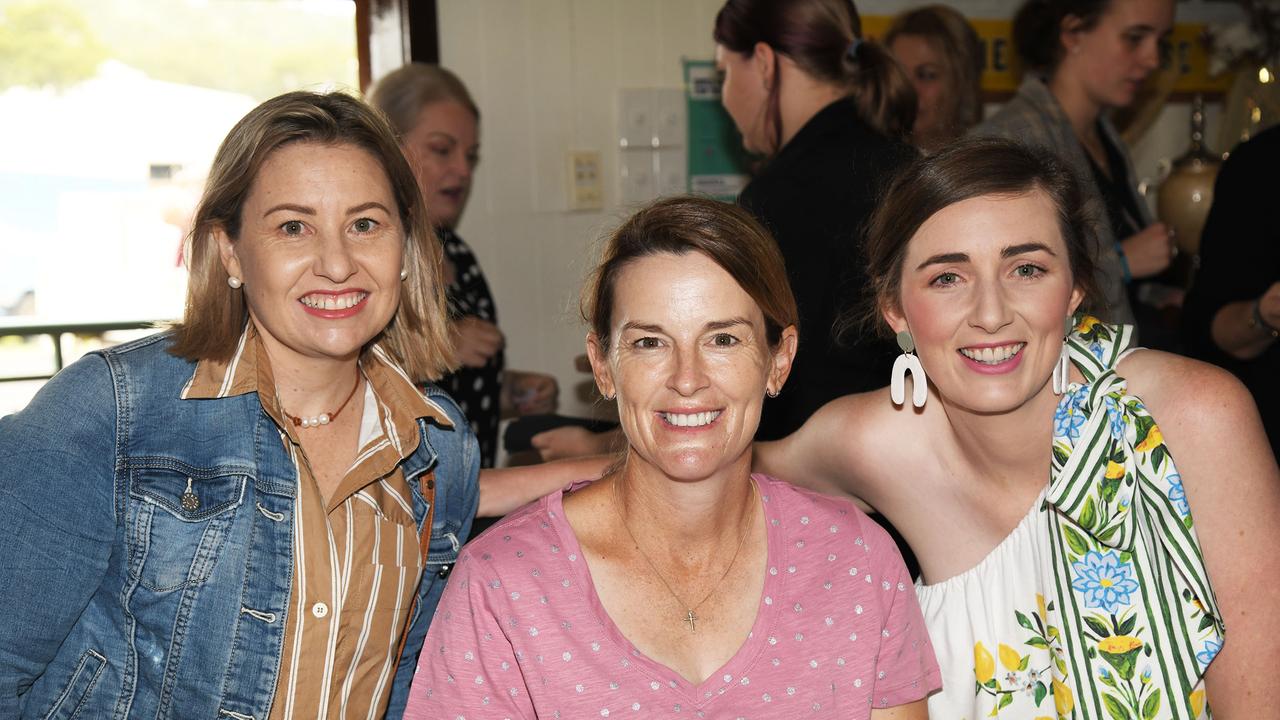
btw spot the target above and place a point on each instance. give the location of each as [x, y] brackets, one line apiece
[1097, 605]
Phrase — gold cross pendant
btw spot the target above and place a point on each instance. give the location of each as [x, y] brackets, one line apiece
[692, 620]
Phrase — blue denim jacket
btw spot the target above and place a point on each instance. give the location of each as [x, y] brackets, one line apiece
[118, 602]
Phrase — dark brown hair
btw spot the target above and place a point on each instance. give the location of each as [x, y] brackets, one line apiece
[818, 35]
[417, 336]
[973, 167]
[956, 42]
[725, 233]
[1037, 29]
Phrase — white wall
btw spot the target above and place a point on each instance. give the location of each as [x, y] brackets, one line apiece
[546, 74]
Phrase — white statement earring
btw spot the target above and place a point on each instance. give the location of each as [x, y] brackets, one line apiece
[1062, 371]
[404, 274]
[908, 361]
[234, 282]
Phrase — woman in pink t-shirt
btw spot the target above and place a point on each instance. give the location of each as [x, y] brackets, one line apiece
[679, 585]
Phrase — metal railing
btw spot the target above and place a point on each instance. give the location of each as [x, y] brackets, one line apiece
[30, 327]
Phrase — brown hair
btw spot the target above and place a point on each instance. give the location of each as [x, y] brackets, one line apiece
[819, 36]
[1037, 29]
[973, 167]
[725, 233]
[956, 42]
[417, 336]
[403, 92]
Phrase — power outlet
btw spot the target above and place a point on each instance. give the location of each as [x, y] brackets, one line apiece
[586, 184]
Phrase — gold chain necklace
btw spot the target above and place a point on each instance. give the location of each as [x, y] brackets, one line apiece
[690, 617]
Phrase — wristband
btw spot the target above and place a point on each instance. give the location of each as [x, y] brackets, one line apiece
[1258, 322]
[1124, 264]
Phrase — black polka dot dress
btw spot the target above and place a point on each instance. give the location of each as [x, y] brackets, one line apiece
[478, 391]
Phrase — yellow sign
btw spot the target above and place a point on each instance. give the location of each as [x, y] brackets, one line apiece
[1187, 57]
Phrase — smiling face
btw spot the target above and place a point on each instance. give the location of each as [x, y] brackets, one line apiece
[924, 65]
[1112, 59]
[689, 362]
[744, 96]
[986, 288]
[444, 148]
[319, 251]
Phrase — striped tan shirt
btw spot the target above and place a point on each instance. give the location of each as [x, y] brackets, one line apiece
[357, 559]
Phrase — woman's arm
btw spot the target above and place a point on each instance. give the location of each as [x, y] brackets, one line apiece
[57, 518]
[505, 489]
[823, 455]
[1236, 328]
[1211, 427]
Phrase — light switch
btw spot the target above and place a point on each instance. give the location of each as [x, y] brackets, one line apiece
[586, 185]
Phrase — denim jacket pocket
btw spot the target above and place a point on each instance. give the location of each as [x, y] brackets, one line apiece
[71, 699]
[178, 523]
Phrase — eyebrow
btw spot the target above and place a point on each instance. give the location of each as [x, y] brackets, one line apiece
[713, 325]
[290, 207]
[304, 210]
[1008, 252]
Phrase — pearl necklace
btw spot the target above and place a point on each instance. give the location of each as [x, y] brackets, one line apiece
[323, 418]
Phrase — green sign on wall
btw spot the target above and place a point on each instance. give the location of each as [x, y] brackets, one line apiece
[718, 166]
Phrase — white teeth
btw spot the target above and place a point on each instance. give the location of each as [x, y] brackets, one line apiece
[691, 419]
[993, 355]
[333, 302]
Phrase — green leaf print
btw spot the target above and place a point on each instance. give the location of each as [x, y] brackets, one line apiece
[1005, 700]
[1023, 620]
[1037, 642]
[1126, 626]
[1097, 626]
[1089, 516]
[1115, 707]
[1041, 691]
[1074, 540]
[1152, 706]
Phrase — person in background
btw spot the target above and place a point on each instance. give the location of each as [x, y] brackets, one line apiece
[943, 56]
[1232, 315]
[829, 110]
[680, 584]
[1082, 58]
[250, 516]
[439, 128]
[1107, 583]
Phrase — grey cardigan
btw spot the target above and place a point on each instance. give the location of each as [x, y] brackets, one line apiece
[1033, 116]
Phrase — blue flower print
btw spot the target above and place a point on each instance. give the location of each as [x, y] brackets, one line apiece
[1106, 582]
[1210, 651]
[1115, 417]
[1095, 347]
[1069, 418]
[1177, 495]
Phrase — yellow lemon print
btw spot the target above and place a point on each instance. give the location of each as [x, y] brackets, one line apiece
[1062, 700]
[1009, 658]
[984, 666]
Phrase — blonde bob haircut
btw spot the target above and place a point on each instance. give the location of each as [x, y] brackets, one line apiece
[417, 336]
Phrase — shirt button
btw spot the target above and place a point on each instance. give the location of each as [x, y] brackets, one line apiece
[319, 609]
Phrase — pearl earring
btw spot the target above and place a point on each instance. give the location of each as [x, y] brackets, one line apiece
[234, 282]
[404, 274]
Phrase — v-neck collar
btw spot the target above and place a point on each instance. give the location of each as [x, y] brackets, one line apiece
[752, 648]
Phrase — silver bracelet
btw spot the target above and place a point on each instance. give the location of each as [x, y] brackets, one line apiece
[1258, 322]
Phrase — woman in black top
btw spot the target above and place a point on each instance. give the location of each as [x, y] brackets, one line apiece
[829, 110]
[1232, 315]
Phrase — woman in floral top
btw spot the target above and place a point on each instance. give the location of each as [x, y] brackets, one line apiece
[1086, 596]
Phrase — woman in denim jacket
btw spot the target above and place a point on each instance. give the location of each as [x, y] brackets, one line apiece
[250, 516]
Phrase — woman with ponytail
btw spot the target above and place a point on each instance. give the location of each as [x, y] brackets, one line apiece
[829, 111]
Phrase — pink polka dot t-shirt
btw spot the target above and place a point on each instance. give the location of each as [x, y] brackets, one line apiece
[521, 633]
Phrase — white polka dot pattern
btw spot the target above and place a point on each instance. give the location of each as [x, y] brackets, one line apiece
[838, 630]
